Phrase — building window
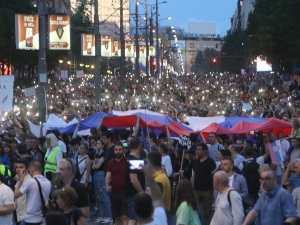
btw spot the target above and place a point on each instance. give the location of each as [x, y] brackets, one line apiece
[211, 46]
[191, 45]
[192, 62]
[192, 53]
[198, 46]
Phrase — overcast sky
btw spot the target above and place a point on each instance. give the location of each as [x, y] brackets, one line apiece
[185, 11]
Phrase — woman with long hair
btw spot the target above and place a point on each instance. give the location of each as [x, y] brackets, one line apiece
[4, 158]
[99, 182]
[186, 205]
[295, 127]
[66, 199]
[7, 149]
[84, 165]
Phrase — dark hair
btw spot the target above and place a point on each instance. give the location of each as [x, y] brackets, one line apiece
[164, 147]
[108, 135]
[68, 194]
[22, 148]
[95, 138]
[154, 159]
[10, 153]
[13, 141]
[228, 142]
[153, 136]
[204, 146]
[240, 139]
[185, 193]
[135, 143]
[248, 151]
[85, 145]
[249, 142]
[124, 134]
[56, 133]
[74, 141]
[213, 133]
[119, 143]
[55, 218]
[163, 135]
[23, 161]
[228, 158]
[143, 205]
[225, 152]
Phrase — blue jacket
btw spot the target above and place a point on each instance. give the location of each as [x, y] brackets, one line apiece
[240, 185]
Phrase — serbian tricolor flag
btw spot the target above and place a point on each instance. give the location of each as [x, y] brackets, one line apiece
[275, 152]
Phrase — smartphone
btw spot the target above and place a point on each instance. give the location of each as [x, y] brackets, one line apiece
[136, 164]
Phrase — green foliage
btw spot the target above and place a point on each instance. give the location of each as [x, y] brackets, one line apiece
[275, 32]
[232, 57]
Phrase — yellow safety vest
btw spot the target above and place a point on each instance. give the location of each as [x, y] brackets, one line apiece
[50, 162]
[2, 170]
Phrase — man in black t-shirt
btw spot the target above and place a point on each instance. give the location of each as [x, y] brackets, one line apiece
[107, 139]
[134, 178]
[203, 181]
[67, 171]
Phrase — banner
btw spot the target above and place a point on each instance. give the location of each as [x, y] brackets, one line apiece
[59, 32]
[29, 91]
[116, 48]
[276, 152]
[129, 50]
[151, 50]
[142, 51]
[6, 92]
[88, 45]
[27, 32]
[184, 141]
[106, 45]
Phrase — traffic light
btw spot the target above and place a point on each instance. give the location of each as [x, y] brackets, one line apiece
[153, 65]
[214, 60]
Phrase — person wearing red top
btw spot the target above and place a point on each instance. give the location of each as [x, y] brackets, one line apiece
[115, 174]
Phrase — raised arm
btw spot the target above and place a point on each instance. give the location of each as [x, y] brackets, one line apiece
[168, 136]
[100, 125]
[137, 126]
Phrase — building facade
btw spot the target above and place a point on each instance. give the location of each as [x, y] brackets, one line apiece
[240, 18]
[193, 46]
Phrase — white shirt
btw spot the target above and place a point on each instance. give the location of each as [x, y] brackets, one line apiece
[34, 212]
[159, 216]
[166, 163]
[6, 198]
[226, 215]
[260, 160]
[21, 202]
[231, 180]
[62, 146]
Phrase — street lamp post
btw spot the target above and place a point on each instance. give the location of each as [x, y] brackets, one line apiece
[146, 39]
[157, 42]
[137, 69]
[122, 64]
[97, 57]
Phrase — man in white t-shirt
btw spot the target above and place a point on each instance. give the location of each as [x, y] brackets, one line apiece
[34, 213]
[144, 204]
[6, 204]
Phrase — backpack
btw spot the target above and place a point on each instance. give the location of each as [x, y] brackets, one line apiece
[6, 178]
[252, 176]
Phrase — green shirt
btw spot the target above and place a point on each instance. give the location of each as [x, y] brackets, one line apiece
[186, 215]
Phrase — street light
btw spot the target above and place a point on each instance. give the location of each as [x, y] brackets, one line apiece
[60, 61]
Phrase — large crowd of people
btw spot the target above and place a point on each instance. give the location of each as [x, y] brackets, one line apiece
[61, 178]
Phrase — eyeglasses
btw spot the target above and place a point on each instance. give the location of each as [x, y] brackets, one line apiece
[265, 179]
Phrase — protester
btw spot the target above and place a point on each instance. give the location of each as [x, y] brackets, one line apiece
[55, 218]
[36, 188]
[186, 205]
[84, 166]
[166, 160]
[116, 175]
[155, 162]
[228, 206]
[202, 180]
[213, 146]
[66, 199]
[295, 179]
[274, 199]
[67, 169]
[6, 203]
[237, 158]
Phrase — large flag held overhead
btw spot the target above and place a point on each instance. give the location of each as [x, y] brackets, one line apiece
[157, 122]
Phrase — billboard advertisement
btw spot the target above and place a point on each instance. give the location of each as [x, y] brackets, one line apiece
[88, 45]
[116, 48]
[263, 65]
[27, 31]
[142, 49]
[106, 45]
[59, 32]
[129, 50]
[151, 50]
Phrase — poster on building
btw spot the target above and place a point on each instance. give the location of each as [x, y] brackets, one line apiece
[129, 50]
[106, 45]
[142, 51]
[88, 45]
[27, 32]
[116, 49]
[6, 92]
[59, 32]
[151, 50]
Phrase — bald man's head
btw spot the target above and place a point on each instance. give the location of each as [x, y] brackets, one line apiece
[221, 180]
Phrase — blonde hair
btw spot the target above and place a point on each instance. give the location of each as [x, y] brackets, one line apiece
[264, 168]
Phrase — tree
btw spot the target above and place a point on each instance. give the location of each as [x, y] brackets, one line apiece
[198, 66]
[232, 57]
[274, 31]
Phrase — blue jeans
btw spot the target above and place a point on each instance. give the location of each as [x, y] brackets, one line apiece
[104, 205]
